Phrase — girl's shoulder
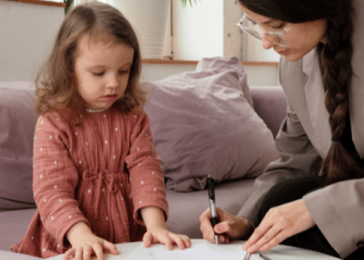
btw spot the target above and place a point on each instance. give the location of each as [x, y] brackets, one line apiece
[53, 119]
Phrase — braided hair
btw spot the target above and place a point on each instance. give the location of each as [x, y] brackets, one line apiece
[342, 161]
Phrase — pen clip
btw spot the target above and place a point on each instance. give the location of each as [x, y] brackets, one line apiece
[211, 188]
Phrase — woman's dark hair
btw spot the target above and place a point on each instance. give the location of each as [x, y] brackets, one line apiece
[342, 161]
[56, 80]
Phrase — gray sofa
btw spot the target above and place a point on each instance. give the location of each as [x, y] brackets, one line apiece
[185, 208]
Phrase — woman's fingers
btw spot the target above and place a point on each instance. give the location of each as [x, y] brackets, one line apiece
[280, 223]
[273, 241]
[206, 227]
[262, 235]
[229, 228]
[223, 227]
[259, 232]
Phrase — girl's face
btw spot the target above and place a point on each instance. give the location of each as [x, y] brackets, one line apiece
[102, 70]
[301, 37]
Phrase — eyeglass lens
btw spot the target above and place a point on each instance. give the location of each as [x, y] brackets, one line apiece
[254, 30]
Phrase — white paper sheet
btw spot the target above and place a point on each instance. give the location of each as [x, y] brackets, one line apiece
[199, 250]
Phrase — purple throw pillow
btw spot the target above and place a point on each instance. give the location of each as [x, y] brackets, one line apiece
[203, 124]
[17, 123]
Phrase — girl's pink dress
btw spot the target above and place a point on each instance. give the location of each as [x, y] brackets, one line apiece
[101, 172]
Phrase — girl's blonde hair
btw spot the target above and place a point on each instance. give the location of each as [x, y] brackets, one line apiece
[56, 80]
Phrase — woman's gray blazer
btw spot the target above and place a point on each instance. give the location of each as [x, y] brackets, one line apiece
[305, 136]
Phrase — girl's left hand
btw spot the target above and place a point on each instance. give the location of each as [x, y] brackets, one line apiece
[278, 224]
[167, 238]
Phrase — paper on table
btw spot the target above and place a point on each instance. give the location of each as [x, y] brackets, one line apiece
[199, 250]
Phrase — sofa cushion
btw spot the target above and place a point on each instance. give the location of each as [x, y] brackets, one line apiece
[270, 104]
[18, 118]
[203, 124]
[17, 222]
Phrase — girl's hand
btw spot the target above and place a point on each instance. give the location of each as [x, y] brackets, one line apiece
[85, 243]
[167, 238]
[278, 224]
[229, 228]
[154, 220]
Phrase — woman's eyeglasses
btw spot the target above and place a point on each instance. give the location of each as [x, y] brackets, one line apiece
[254, 30]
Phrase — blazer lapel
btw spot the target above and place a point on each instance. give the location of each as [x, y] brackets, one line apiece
[315, 96]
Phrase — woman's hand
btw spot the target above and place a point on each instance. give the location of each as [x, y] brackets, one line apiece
[154, 220]
[168, 238]
[278, 224]
[229, 228]
[85, 243]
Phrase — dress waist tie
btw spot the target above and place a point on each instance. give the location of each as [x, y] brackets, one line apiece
[107, 180]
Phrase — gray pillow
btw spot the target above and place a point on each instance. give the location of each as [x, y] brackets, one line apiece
[18, 119]
[203, 124]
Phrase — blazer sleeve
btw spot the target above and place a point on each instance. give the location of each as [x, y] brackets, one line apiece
[338, 211]
[296, 156]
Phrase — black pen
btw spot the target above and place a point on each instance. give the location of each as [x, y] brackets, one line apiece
[214, 219]
[264, 257]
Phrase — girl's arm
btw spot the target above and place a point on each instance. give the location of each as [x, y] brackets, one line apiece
[55, 178]
[154, 219]
[147, 186]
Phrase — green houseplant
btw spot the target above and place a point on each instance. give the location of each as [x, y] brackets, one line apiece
[68, 4]
[184, 2]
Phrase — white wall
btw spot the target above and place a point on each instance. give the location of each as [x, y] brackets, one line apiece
[256, 75]
[198, 31]
[26, 34]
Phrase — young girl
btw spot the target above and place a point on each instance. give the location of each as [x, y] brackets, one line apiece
[97, 177]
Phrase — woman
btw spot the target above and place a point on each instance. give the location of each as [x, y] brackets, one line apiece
[313, 195]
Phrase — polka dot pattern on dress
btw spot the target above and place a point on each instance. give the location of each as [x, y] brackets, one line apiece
[112, 140]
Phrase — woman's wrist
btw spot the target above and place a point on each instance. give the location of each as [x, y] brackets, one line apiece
[246, 228]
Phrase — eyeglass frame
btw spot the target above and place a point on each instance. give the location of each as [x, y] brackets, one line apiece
[260, 35]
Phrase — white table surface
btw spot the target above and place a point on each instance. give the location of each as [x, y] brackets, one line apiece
[279, 252]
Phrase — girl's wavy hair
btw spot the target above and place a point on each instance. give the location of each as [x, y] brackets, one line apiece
[342, 161]
[56, 80]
